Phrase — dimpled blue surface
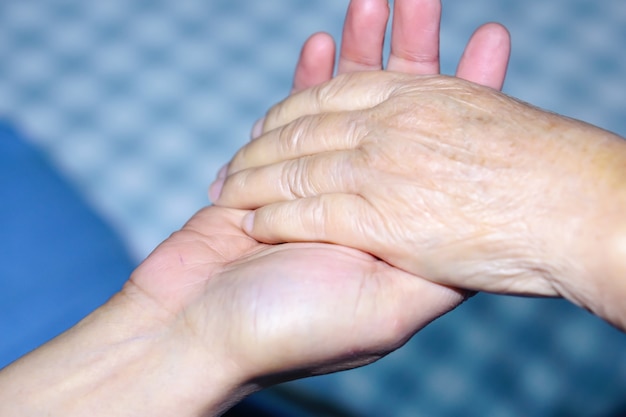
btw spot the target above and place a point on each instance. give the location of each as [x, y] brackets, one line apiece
[58, 258]
[138, 104]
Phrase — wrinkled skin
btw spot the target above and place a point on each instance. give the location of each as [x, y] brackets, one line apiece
[440, 177]
[308, 308]
[223, 315]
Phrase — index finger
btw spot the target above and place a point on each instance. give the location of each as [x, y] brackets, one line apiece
[363, 36]
[415, 37]
[346, 92]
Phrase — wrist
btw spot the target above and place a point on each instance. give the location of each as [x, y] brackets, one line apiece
[609, 260]
[598, 279]
[172, 374]
[127, 358]
[613, 281]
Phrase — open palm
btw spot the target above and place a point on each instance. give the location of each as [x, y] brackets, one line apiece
[291, 309]
[305, 308]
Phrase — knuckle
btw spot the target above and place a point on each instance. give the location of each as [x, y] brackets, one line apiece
[347, 173]
[278, 115]
[309, 176]
[323, 216]
[353, 127]
[294, 179]
[331, 92]
[290, 136]
[370, 157]
[321, 93]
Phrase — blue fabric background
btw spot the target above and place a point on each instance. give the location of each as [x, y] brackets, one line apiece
[127, 108]
[58, 259]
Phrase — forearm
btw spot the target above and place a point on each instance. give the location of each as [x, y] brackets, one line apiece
[118, 361]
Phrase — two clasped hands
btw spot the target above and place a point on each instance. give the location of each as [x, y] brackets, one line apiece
[394, 194]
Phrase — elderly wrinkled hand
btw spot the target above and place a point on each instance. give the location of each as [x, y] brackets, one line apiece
[443, 178]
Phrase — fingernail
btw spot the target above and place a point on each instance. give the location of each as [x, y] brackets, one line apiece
[215, 190]
[257, 129]
[248, 222]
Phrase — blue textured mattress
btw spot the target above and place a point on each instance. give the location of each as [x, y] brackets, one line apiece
[117, 114]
